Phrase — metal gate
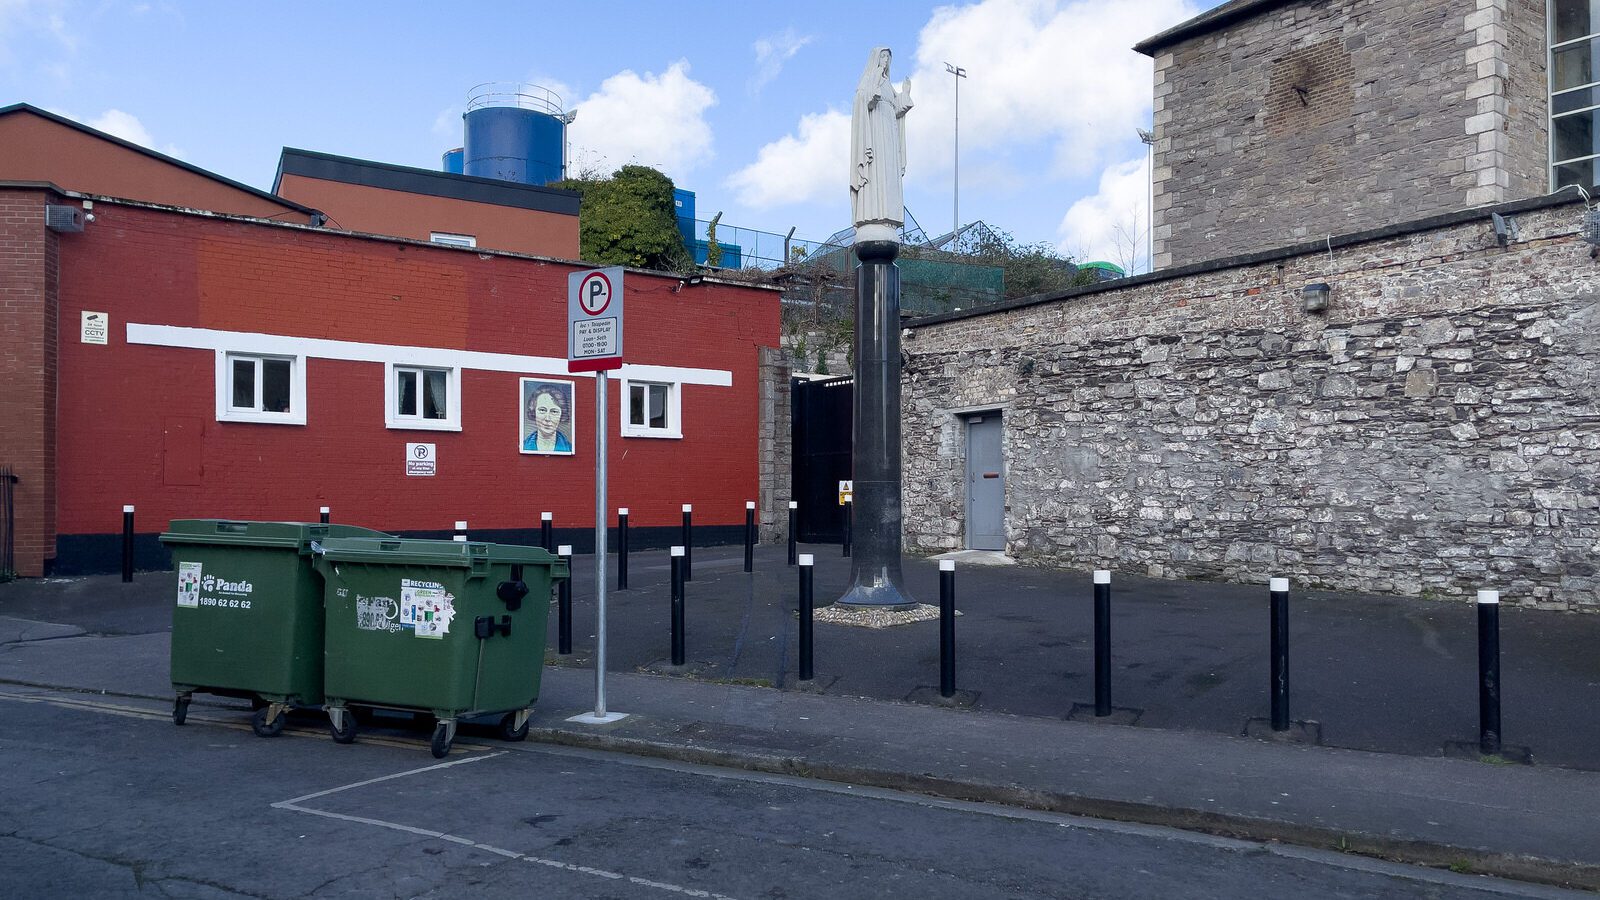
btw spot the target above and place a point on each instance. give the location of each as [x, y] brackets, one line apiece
[8, 525]
[821, 428]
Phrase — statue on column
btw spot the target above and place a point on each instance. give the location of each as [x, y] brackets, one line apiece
[878, 152]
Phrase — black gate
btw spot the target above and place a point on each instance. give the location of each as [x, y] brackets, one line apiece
[8, 525]
[821, 429]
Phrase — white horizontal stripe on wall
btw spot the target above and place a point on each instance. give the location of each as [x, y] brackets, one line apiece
[437, 357]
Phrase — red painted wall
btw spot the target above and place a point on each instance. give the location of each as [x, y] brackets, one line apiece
[138, 423]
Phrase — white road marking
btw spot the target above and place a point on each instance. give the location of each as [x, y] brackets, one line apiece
[294, 806]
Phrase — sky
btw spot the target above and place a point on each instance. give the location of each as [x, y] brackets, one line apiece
[746, 104]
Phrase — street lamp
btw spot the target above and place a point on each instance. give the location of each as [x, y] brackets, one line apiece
[955, 231]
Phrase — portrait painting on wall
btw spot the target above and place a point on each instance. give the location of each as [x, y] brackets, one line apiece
[546, 423]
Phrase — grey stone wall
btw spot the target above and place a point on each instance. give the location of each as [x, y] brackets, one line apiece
[776, 446]
[1318, 118]
[1435, 432]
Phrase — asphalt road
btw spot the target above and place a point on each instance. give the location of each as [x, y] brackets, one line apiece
[106, 798]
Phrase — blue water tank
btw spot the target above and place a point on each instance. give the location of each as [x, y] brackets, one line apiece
[683, 209]
[454, 161]
[514, 144]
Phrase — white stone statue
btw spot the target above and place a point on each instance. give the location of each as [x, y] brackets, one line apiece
[878, 152]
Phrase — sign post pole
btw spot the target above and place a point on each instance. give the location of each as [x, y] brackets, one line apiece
[594, 344]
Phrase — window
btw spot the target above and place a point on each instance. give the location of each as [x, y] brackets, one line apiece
[1574, 91]
[422, 397]
[454, 240]
[651, 410]
[255, 387]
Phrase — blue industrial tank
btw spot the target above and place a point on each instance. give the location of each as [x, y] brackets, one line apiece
[454, 161]
[683, 201]
[515, 133]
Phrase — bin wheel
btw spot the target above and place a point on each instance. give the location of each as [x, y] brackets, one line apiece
[180, 710]
[264, 727]
[347, 734]
[508, 729]
[442, 739]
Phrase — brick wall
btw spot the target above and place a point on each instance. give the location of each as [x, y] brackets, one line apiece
[138, 423]
[1436, 431]
[1322, 118]
[28, 309]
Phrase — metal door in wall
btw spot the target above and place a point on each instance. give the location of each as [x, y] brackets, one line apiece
[986, 484]
[822, 427]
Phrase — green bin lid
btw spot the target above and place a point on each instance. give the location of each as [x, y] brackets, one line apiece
[233, 533]
[417, 552]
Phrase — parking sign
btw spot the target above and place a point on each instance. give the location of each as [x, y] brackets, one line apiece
[594, 320]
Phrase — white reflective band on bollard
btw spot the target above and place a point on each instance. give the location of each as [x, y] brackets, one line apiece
[1102, 576]
[546, 517]
[749, 504]
[564, 550]
[805, 559]
[622, 510]
[461, 526]
[1488, 596]
[793, 504]
[677, 551]
[127, 509]
[1280, 585]
[947, 565]
[688, 507]
[324, 510]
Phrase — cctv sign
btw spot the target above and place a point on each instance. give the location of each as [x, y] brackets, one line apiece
[594, 320]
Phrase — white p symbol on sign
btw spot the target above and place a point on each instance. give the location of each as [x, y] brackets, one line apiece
[594, 294]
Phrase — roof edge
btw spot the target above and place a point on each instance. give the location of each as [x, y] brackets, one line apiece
[1212, 20]
[411, 179]
[156, 155]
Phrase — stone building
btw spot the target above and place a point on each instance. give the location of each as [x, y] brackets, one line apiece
[1431, 431]
[1278, 121]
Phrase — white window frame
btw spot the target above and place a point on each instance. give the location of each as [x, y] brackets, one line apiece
[674, 427]
[391, 399]
[226, 412]
[452, 240]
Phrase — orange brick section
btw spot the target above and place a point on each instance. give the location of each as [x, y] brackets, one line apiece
[28, 325]
[132, 414]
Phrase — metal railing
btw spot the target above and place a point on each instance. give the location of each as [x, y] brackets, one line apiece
[511, 93]
[8, 524]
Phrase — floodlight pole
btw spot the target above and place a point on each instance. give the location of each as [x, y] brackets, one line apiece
[1149, 138]
[955, 231]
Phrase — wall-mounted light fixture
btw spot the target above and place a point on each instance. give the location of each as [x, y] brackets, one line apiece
[1314, 297]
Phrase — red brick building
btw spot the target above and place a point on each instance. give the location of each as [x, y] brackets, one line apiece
[253, 368]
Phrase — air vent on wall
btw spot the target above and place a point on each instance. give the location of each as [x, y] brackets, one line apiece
[64, 219]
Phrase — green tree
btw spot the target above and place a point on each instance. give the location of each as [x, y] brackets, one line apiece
[628, 219]
[713, 249]
[1029, 268]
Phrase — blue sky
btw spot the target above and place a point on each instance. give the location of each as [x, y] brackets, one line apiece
[747, 104]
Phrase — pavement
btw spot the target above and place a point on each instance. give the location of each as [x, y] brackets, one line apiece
[1387, 682]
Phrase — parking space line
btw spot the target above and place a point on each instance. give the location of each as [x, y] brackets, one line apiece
[294, 806]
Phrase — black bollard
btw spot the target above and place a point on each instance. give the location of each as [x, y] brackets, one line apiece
[806, 672]
[1102, 642]
[622, 548]
[461, 531]
[1280, 654]
[564, 605]
[1489, 673]
[849, 520]
[127, 543]
[688, 543]
[547, 531]
[947, 628]
[749, 535]
[327, 515]
[793, 514]
[677, 604]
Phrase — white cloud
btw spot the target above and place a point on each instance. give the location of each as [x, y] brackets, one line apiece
[127, 126]
[1113, 224]
[772, 52]
[654, 120]
[798, 167]
[1044, 76]
[21, 20]
[447, 125]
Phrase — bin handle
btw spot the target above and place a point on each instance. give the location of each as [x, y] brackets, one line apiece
[388, 545]
[233, 527]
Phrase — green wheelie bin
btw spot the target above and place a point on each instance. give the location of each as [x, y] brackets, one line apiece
[248, 617]
[451, 628]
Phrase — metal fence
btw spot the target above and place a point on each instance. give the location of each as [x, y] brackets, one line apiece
[8, 524]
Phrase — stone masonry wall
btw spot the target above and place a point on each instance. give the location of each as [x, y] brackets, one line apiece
[776, 446]
[1318, 118]
[1436, 431]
